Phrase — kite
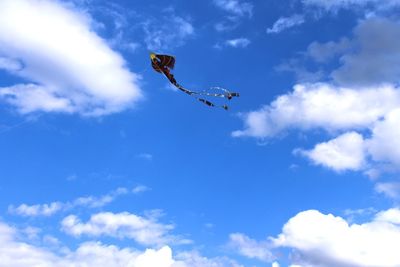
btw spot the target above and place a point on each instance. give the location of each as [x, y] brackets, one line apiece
[165, 63]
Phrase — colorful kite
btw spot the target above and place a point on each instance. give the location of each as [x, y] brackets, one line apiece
[165, 63]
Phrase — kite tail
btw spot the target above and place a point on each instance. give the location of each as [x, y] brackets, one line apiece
[225, 93]
[202, 100]
[194, 94]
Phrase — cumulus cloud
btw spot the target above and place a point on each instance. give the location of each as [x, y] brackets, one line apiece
[372, 112]
[346, 152]
[362, 97]
[32, 246]
[318, 239]
[144, 230]
[327, 240]
[376, 57]
[69, 67]
[321, 106]
[285, 23]
[16, 253]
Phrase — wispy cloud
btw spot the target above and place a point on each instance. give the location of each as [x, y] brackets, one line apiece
[144, 230]
[70, 68]
[146, 156]
[334, 6]
[235, 11]
[140, 189]
[250, 248]
[389, 189]
[285, 23]
[235, 7]
[167, 31]
[234, 43]
[238, 42]
[87, 202]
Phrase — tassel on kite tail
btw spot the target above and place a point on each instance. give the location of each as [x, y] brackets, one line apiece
[192, 93]
[204, 101]
[226, 93]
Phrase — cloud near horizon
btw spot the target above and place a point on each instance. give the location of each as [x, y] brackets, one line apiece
[318, 239]
[15, 252]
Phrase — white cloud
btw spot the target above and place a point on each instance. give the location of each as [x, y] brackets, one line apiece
[390, 215]
[194, 259]
[390, 189]
[96, 202]
[384, 145]
[346, 152]
[235, 7]
[250, 248]
[238, 42]
[317, 239]
[30, 97]
[87, 201]
[326, 240]
[69, 67]
[140, 189]
[334, 5]
[284, 23]
[321, 106]
[16, 253]
[144, 230]
[369, 118]
[10, 64]
[167, 31]
[36, 210]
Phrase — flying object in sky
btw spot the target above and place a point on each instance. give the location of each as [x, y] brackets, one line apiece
[165, 63]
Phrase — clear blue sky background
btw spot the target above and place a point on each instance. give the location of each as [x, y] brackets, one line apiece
[180, 154]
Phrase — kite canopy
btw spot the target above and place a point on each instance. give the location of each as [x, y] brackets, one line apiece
[158, 61]
[165, 63]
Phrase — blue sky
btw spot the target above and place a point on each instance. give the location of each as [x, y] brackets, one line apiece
[103, 163]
